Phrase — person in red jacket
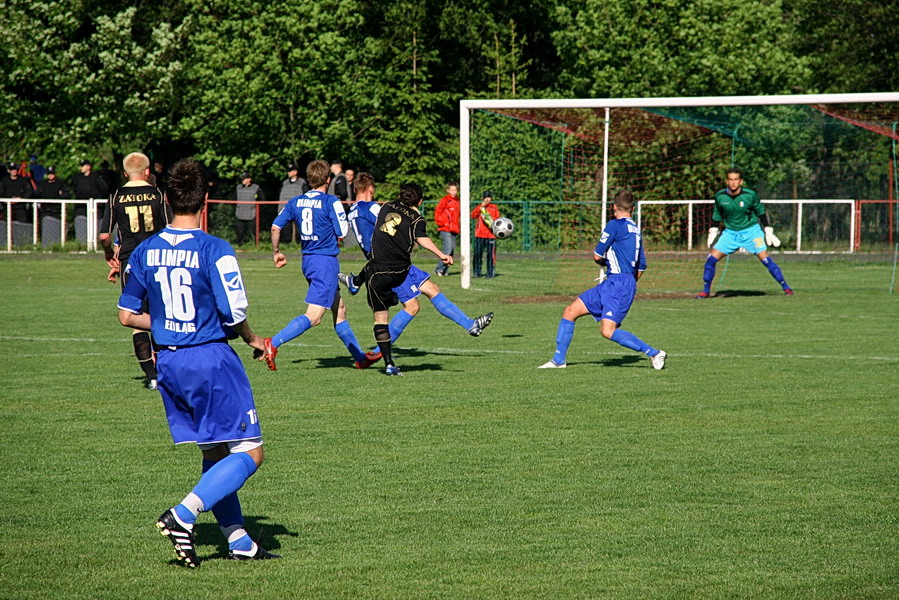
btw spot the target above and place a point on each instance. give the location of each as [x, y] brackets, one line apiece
[486, 213]
[446, 217]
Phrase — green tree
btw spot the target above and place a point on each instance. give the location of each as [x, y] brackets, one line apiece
[850, 44]
[84, 78]
[639, 48]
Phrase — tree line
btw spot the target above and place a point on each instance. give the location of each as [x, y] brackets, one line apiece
[255, 85]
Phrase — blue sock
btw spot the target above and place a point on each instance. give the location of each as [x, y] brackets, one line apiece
[708, 274]
[451, 311]
[398, 324]
[346, 335]
[775, 272]
[227, 510]
[629, 340]
[293, 329]
[563, 340]
[244, 543]
[224, 478]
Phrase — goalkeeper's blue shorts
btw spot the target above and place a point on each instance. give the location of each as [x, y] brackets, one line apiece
[206, 394]
[752, 238]
[411, 287]
[611, 299]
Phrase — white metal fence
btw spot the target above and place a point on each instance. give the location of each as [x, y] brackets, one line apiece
[16, 231]
[796, 225]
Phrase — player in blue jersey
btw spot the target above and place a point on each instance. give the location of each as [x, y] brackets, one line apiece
[417, 281]
[193, 286]
[620, 255]
[741, 211]
[321, 222]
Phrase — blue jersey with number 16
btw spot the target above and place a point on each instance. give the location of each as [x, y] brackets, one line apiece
[622, 245]
[192, 282]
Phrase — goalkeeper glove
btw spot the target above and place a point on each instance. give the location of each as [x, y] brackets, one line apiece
[488, 219]
[770, 238]
[602, 274]
[713, 233]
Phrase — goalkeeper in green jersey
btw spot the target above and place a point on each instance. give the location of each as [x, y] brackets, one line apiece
[741, 212]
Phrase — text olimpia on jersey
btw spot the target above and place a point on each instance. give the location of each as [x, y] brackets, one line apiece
[168, 270]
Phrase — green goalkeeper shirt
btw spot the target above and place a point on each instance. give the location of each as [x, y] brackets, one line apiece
[738, 212]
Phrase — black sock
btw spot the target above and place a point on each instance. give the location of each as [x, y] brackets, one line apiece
[382, 336]
[143, 350]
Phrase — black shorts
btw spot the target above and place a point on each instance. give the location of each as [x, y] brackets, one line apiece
[380, 281]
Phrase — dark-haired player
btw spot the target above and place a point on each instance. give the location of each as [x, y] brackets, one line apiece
[197, 300]
[399, 227]
[620, 254]
[741, 211]
[363, 217]
[137, 209]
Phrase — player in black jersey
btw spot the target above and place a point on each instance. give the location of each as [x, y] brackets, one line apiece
[399, 227]
[138, 211]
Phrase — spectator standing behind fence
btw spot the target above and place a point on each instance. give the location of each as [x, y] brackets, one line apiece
[338, 184]
[291, 187]
[159, 175]
[16, 186]
[86, 184]
[447, 217]
[350, 185]
[248, 193]
[51, 188]
[484, 241]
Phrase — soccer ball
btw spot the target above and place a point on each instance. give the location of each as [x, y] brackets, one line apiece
[502, 227]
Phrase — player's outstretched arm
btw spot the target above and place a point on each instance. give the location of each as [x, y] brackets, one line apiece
[427, 244]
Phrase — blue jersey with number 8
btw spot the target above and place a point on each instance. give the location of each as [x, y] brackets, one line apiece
[192, 282]
[320, 220]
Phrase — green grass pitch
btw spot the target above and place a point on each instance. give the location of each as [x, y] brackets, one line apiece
[761, 463]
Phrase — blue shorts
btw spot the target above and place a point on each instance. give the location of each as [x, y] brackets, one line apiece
[206, 395]
[752, 238]
[612, 298]
[321, 273]
[411, 287]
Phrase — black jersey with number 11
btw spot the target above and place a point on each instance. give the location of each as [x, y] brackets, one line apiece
[139, 211]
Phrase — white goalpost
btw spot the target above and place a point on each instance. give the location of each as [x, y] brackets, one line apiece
[467, 107]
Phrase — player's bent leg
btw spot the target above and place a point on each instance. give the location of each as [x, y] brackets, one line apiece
[775, 271]
[401, 320]
[708, 275]
[294, 329]
[613, 332]
[382, 336]
[565, 333]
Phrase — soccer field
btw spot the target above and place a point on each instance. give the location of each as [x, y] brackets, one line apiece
[760, 463]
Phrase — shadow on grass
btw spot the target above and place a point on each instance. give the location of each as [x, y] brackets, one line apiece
[738, 293]
[262, 532]
[618, 361]
[344, 361]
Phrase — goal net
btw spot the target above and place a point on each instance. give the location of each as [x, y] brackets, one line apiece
[824, 165]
